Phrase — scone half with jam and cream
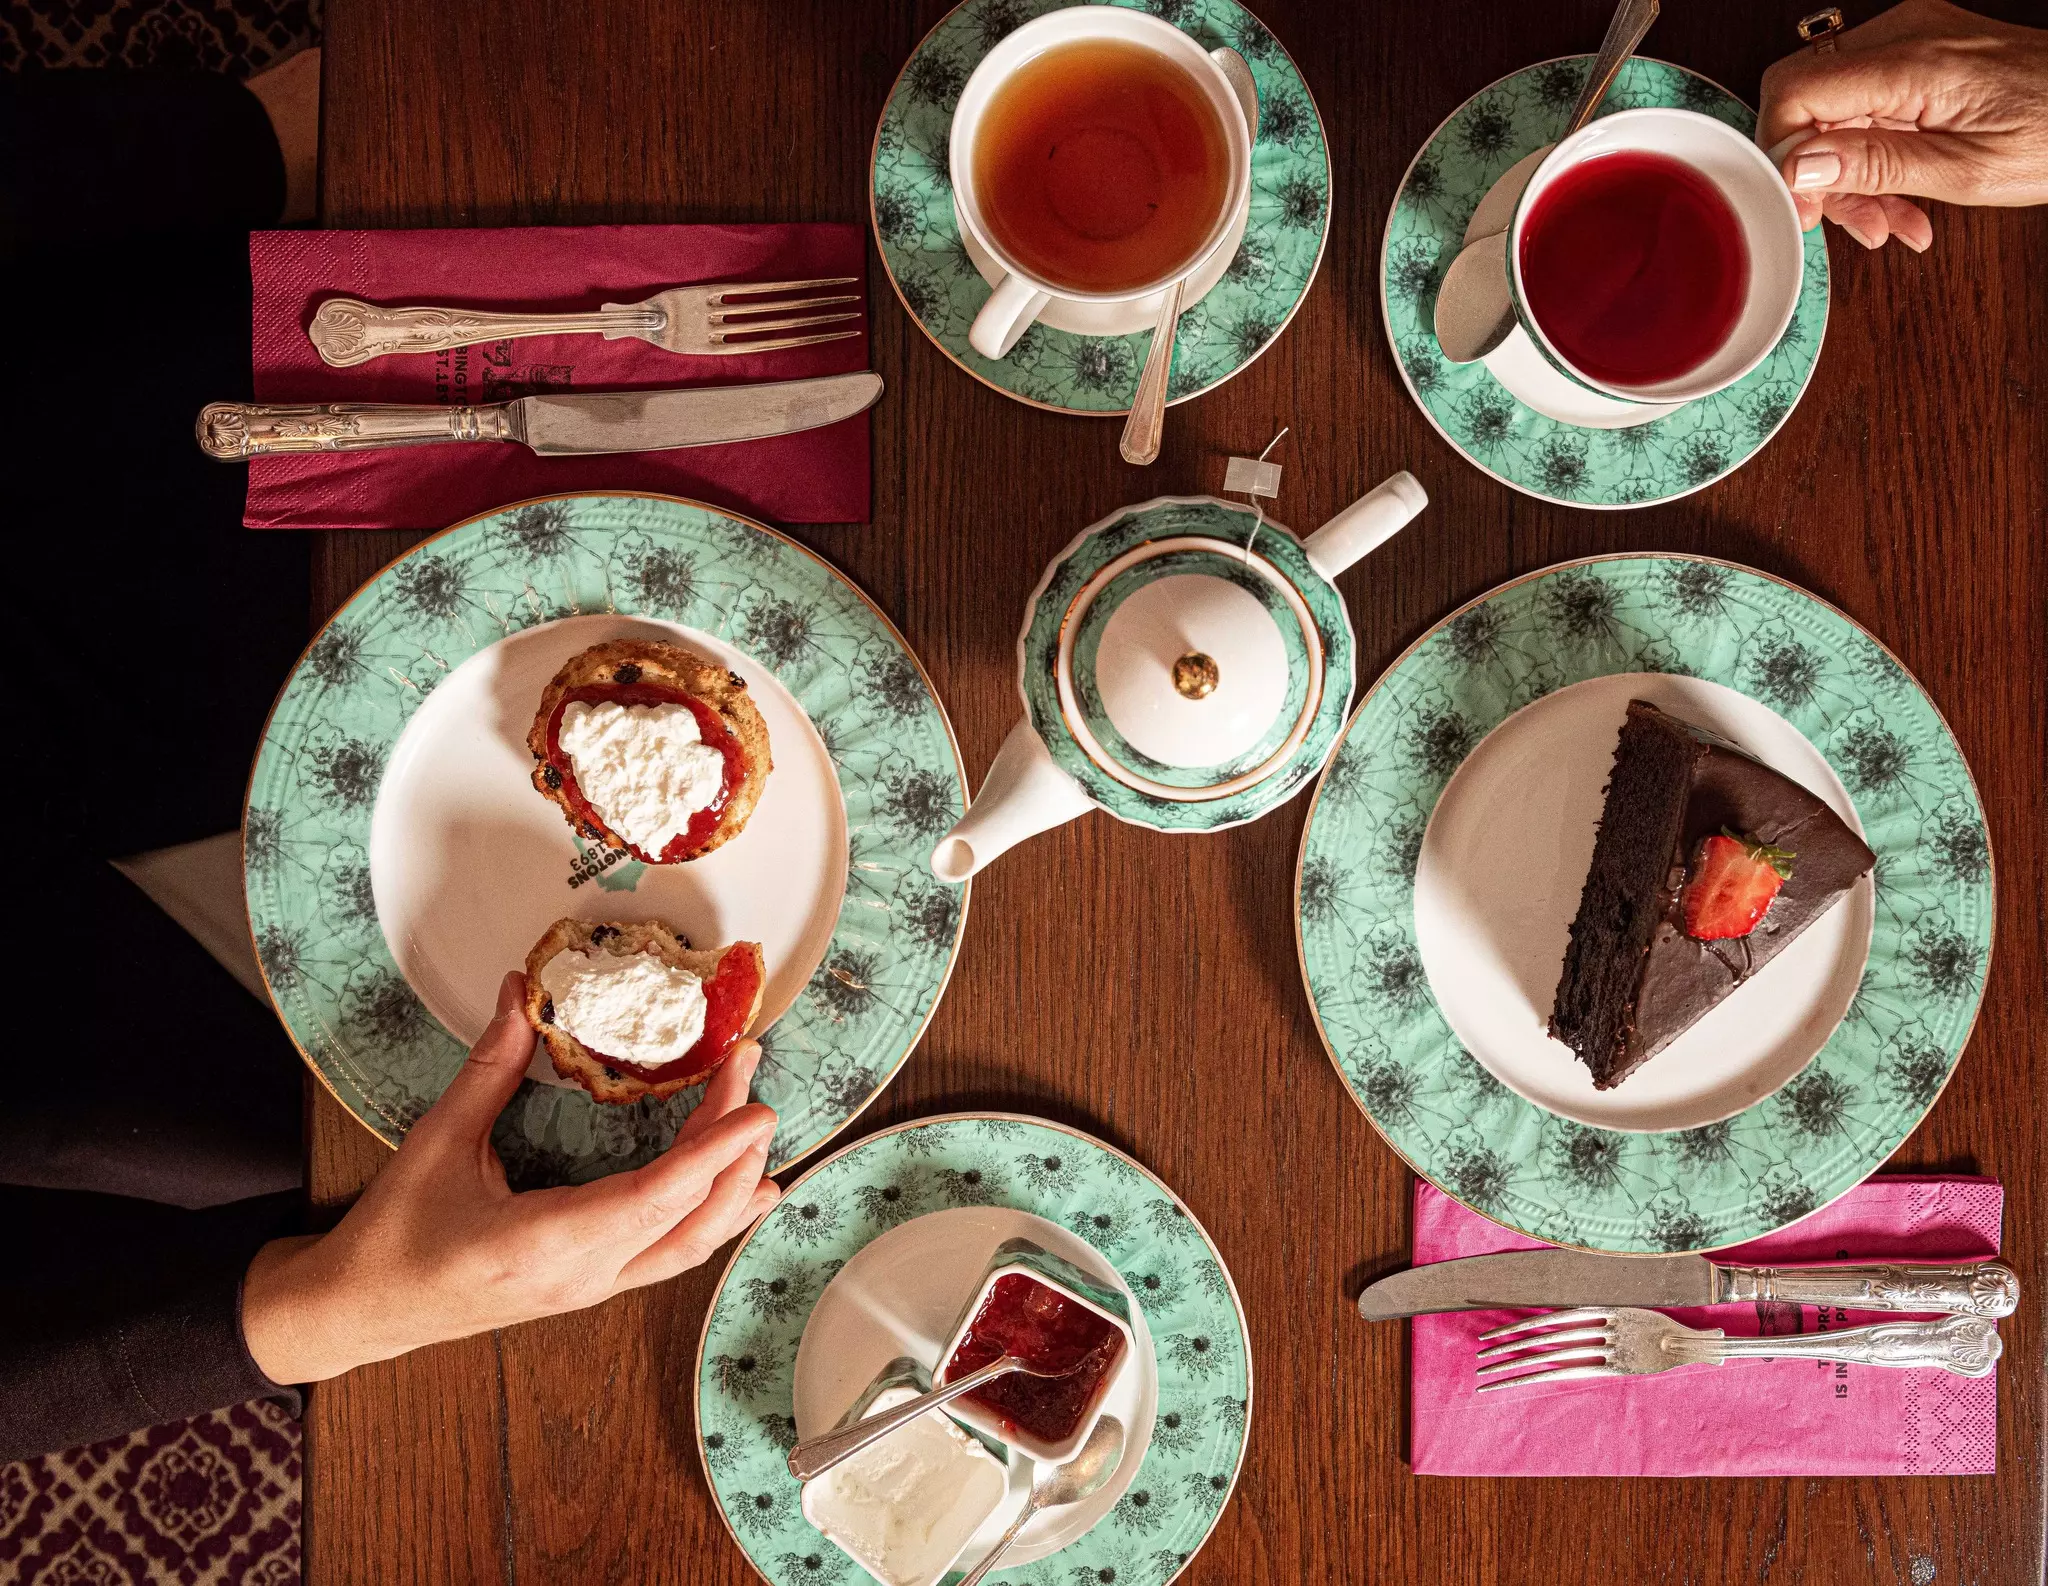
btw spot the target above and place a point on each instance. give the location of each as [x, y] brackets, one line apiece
[628, 1011]
[650, 748]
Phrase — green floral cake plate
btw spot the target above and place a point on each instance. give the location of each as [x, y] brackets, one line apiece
[910, 198]
[1659, 461]
[398, 860]
[1786, 1155]
[746, 1357]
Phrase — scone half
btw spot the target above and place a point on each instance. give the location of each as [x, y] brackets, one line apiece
[620, 980]
[630, 672]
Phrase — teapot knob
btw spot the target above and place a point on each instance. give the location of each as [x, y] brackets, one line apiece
[1196, 675]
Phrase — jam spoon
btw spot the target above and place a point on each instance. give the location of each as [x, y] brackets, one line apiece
[816, 1455]
[1055, 1486]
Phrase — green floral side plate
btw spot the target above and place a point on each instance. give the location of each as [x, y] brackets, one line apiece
[911, 201]
[746, 1358]
[306, 834]
[1793, 1151]
[1670, 457]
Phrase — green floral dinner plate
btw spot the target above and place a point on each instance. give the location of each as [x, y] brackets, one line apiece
[864, 735]
[911, 200]
[1670, 457]
[746, 1357]
[1792, 1152]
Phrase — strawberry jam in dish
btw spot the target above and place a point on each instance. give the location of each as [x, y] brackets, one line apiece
[651, 764]
[729, 997]
[1050, 1331]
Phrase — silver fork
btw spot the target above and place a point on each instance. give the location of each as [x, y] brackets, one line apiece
[684, 319]
[1625, 1342]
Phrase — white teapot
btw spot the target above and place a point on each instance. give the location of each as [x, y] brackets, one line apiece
[1184, 666]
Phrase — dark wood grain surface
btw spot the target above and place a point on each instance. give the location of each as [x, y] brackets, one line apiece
[1144, 987]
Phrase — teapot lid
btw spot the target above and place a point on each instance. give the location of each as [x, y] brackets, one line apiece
[1185, 664]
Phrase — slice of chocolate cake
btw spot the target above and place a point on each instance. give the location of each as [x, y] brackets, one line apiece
[1707, 864]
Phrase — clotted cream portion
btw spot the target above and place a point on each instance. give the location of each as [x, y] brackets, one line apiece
[631, 1006]
[905, 1505]
[645, 769]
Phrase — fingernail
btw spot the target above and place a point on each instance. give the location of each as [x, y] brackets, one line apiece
[511, 992]
[1810, 171]
[1916, 246]
[1860, 237]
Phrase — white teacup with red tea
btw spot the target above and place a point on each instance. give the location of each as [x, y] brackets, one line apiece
[1098, 155]
[1655, 256]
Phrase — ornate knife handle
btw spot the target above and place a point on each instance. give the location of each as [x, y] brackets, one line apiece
[348, 331]
[1966, 1345]
[233, 431]
[1980, 1288]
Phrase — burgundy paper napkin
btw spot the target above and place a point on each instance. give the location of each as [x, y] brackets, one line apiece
[819, 476]
[1753, 1418]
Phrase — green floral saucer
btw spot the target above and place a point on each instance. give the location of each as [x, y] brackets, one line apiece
[485, 588]
[1659, 461]
[911, 200]
[746, 1358]
[1789, 1154]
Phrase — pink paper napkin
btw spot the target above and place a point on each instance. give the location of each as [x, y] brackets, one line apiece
[1752, 1418]
[819, 476]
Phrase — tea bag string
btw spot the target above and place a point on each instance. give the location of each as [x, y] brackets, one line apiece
[1255, 479]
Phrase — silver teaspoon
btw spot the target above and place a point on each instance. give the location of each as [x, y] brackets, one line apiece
[1055, 1486]
[1474, 313]
[1146, 424]
[816, 1455]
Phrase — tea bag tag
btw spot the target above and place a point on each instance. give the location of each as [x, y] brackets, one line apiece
[1252, 476]
[1257, 480]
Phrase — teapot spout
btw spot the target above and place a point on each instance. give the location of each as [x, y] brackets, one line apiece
[1024, 794]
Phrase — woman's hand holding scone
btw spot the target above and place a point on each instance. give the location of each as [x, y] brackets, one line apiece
[439, 1246]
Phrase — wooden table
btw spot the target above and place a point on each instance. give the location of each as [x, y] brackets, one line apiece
[1144, 987]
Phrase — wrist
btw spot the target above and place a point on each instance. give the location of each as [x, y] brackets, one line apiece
[292, 1313]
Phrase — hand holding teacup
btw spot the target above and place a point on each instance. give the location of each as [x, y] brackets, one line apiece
[1926, 99]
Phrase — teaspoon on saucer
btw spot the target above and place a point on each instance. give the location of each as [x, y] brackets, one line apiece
[1474, 312]
[1147, 420]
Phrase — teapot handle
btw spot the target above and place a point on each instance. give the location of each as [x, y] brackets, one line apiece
[1365, 525]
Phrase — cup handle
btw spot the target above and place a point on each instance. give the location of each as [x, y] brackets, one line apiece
[1005, 317]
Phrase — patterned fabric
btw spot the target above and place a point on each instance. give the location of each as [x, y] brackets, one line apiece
[240, 37]
[213, 1501]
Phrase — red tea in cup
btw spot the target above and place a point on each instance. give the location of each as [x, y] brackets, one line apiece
[1634, 266]
[1101, 166]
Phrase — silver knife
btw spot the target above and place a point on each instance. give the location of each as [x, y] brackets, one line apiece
[560, 424]
[1548, 1278]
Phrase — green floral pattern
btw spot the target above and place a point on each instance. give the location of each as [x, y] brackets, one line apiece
[1791, 1152]
[1233, 528]
[307, 831]
[911, 201]
[1672, 456]
[747, 1358]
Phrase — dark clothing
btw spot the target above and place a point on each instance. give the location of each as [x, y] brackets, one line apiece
[148, 633]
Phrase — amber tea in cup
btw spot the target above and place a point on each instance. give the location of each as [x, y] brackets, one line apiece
[1101, 166]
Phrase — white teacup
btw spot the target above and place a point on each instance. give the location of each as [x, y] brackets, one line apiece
[1019, 298]
[1763, 206]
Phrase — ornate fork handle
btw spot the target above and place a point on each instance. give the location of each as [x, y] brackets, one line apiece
[233, 431]
[1983, 1288]
[347, 330]
[1966, 1345]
